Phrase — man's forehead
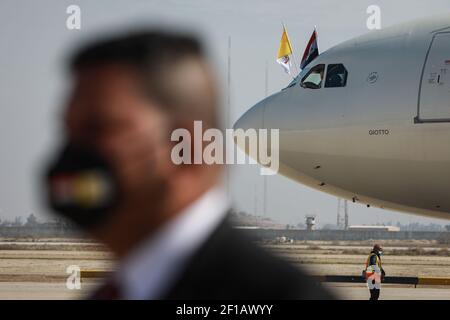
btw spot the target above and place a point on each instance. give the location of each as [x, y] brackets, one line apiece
[104, 76]
[108, 90]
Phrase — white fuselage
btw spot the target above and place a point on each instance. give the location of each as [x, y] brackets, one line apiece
[383, 139]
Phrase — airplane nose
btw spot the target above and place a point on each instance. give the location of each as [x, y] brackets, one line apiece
[252, 119]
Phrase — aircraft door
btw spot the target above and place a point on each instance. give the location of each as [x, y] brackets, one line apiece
[434, 99]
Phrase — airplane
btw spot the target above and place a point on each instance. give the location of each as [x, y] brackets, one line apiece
[368, 120]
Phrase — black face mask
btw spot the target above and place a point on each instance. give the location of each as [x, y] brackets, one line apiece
[81, 186]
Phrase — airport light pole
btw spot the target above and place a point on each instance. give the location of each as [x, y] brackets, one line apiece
[228, 106]
[266, 92]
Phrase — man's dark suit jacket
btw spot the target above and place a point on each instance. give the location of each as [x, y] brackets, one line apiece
[230, 266]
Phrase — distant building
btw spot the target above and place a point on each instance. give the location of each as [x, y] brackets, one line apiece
[374, 228]
[247, 227]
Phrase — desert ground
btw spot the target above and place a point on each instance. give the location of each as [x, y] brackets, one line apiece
[410, 258]
[37, 268]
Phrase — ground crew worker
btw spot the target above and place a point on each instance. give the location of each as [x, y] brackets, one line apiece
[374, 272]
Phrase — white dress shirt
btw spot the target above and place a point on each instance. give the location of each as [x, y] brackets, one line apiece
[150, 270]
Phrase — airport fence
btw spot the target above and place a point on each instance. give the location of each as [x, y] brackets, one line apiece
[439, 281]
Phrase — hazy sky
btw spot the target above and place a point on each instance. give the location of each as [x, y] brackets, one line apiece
[35, 42]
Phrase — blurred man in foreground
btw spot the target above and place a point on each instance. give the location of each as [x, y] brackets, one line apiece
[166, 223]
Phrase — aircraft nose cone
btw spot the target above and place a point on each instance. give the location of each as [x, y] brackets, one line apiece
[252, 119]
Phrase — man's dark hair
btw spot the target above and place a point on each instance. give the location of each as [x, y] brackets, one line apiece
[143, 49]
[156, 56]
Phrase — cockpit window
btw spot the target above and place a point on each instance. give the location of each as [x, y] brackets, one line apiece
[292, 83]
[297, 78]
[336, 76]
[313, 79]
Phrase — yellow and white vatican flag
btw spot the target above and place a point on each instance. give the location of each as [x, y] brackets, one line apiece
[285, 52]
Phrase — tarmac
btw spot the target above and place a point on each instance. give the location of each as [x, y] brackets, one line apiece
[58, 291]
[359, 291]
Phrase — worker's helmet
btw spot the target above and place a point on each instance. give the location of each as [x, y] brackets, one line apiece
[377, 248]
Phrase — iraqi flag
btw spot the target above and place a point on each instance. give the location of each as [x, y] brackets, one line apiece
[311, 51]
